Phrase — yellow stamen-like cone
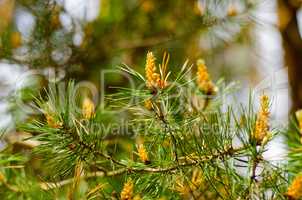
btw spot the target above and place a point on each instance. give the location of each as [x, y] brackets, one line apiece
[52, 122]
[88, 108]
[152, 77]
[127, 192]
[294, 191]
[148, 104]
[262, 122]
[203, 78]
[143, 155]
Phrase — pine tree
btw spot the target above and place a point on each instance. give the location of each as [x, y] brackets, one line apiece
[174, 149]
[169, 135]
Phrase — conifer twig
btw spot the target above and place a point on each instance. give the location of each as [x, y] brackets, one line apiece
[227, 152]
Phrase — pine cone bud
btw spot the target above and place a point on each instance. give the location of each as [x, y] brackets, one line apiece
[294, 191]
[88, 108]
[203, 79]
[127, 192]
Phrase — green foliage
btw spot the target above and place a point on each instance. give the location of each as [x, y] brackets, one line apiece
[171, 142]
[294, 143]
[181, 140]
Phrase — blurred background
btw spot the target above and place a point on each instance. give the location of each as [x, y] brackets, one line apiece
[255, 42]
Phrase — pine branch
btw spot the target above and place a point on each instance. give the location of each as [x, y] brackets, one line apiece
[132, 170]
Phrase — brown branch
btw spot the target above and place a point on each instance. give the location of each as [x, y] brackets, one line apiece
[292, 45]
[174, 167]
